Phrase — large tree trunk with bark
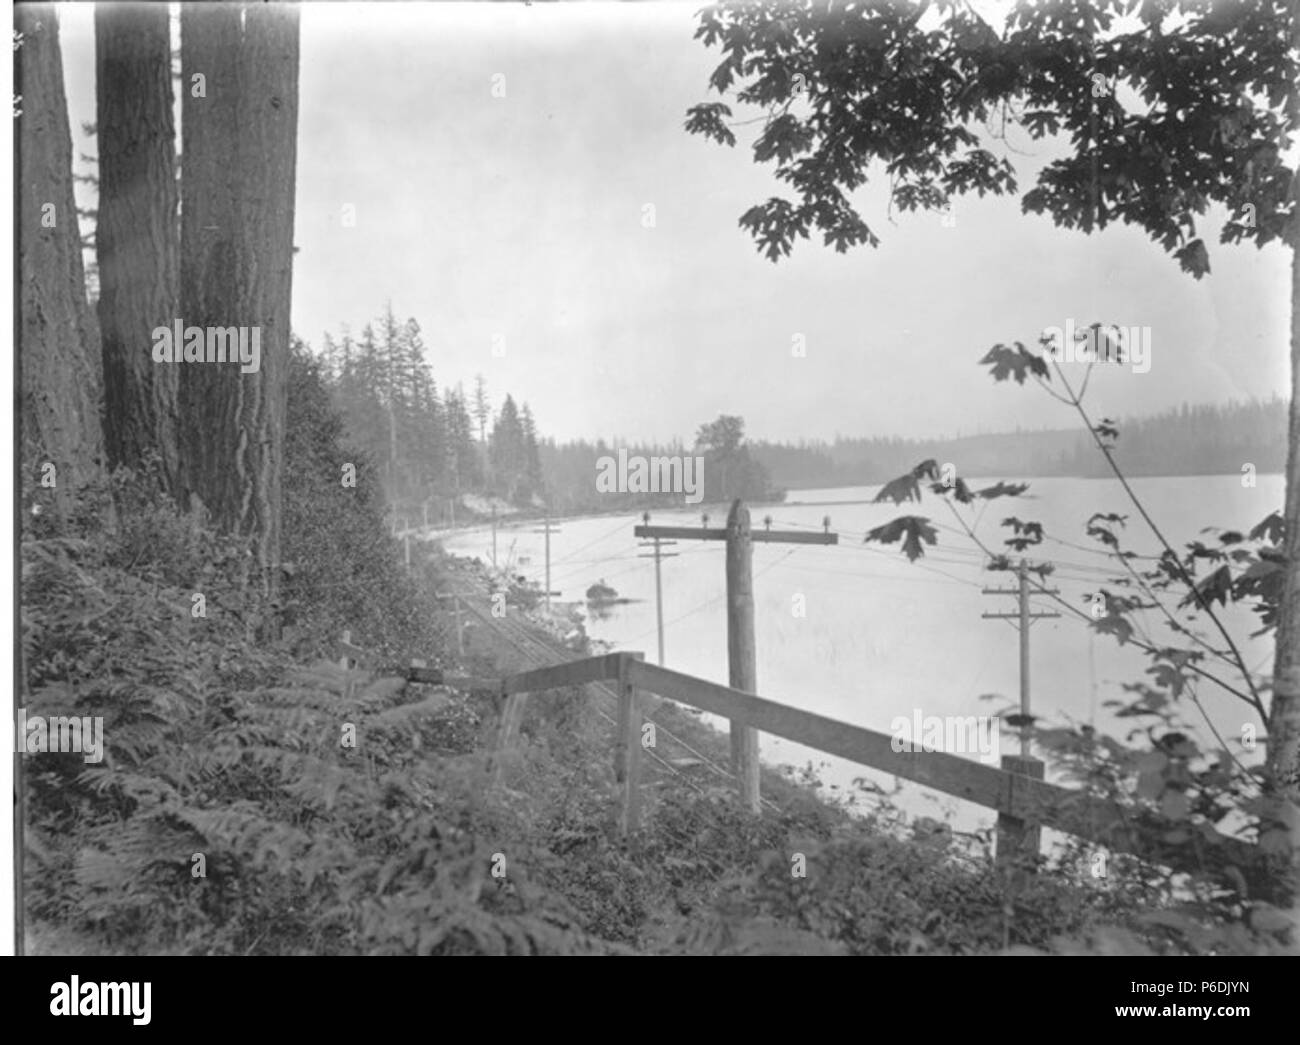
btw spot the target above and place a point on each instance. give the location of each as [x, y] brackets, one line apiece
[136, 236]
[1283, 750]
[239, 130]
[59, 357]
[1284, 715]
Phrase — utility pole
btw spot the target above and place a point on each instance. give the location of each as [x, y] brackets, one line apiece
[494, 540]
[1024, 618]
[741, 658]
[548, 529]
[659, 588]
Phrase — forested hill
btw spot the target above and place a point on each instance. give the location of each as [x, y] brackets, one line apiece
[1191, 440]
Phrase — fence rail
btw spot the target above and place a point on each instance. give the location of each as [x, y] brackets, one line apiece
[1024, 803]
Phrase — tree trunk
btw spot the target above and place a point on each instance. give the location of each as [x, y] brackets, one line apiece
[239, 151]
[136, 235]
[1283, 752]
[1284, 715]
[59, 357]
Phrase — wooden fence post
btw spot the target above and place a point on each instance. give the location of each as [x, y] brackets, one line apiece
[416, 663]
[1018, 840]
[627, 749]
[351, 656]
[512, 714]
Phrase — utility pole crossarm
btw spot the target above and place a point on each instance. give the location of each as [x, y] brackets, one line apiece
[698, 533]
[1032, 615]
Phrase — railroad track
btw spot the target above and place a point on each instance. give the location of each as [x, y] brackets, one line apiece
[540, 654]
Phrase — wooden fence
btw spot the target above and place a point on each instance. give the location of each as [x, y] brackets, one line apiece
[1024, 802]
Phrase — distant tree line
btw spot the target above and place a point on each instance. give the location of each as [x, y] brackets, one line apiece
[727, 469]
[1187, 440]
[434, 447]
[429, 447]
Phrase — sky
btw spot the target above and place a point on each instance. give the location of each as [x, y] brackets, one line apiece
[523, 187]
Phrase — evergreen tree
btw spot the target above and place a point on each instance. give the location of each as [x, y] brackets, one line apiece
[507, 454]
[61, 378]
[462, 453]
[482, 407]
[236, 262]
[532, 459]
[136, 236]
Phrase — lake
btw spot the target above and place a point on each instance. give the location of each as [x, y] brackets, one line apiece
[881, 637]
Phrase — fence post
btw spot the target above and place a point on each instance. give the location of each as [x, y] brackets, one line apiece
[1018, 839]
[627, 749]
[416, 662]
[512, 714]
[493, 763]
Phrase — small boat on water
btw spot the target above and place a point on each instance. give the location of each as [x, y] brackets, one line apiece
[601, 592]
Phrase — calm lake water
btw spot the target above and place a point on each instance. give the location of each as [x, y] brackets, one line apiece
[882, 637]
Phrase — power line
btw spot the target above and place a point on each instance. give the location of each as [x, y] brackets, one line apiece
[976, 553]
[604, 536]
[709, 602]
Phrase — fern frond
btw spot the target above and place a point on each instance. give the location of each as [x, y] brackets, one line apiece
[405, 715]
[148, 790]
[247, 833]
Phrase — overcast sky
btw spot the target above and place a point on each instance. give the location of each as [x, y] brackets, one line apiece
[523, 217]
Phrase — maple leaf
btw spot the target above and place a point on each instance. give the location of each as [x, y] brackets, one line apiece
[1113, 623]
[1270, 529]
[907, 487]
[914, 531]
[1168, 676]
[1001, 489]
[1018, 362]
[1026, 534]
[959, 490]
[1102, 533]
[1194, 258]
[1216, 587]
[707, 119]
[904, 488]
